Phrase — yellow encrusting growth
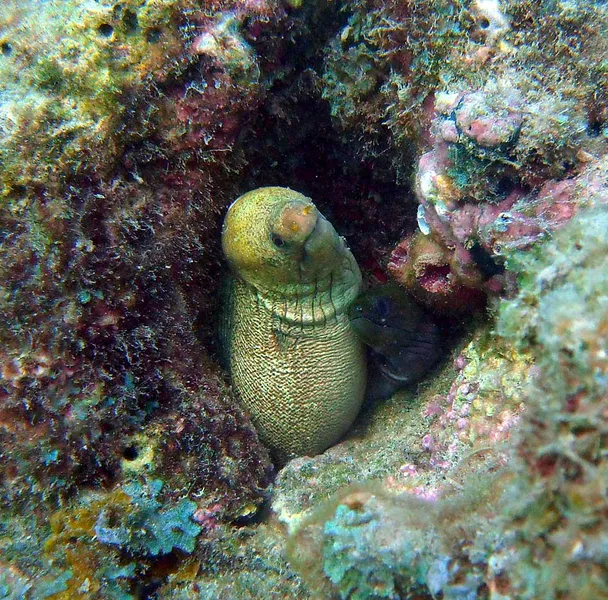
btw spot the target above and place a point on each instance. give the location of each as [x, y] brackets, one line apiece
[68, 70]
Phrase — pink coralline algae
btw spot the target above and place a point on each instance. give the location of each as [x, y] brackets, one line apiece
[227, 81]
[471, 121]
[481, 407]
[426, 269]
[477, 204]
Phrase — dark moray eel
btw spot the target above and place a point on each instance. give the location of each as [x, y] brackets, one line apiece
[404, 342]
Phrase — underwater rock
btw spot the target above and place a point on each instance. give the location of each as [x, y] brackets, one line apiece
[109, 246]
[404, 343]
[100, 546]
[478, 236]
[558, 506]
[477, 207]
[368, 544]
[227, 80]
[384, 71]
[64, 74]
[240, 564]
[424, 267]
[295, 363]
[531, 526]
[491, 20]
[110, 218]
[507, 120]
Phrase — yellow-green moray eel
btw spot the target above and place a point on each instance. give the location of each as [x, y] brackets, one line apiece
[295, 363]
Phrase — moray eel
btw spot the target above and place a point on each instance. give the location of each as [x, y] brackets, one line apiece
[296, 365]
[404, 342]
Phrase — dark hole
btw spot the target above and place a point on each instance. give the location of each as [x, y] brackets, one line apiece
[105, 30]
[130, 453]
[19, 191]
[278, 241]
[6, 49]
[153, 35]
[107, 428]
[130, 21]
[505, 186]
[484, 23]
[485, 261]
[594, 127]
[435, 272]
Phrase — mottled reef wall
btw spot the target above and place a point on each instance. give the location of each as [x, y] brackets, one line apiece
[459, 146]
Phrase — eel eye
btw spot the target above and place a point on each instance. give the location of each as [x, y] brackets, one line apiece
[277, 240]
[383, 307]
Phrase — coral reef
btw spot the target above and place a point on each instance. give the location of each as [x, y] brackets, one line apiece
[13, 584]
[509, 126]
[372, 545]
[476, 207]
[381, 69]
[148, 530]
[535, 530]
[241, 564]
[482, 407]
[67, 69]
[457, 145]
[138, 540]
[100, 546]
[101, 250]
[424, 268]
[386, 65]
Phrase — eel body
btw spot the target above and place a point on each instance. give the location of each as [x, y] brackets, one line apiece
[295, 363]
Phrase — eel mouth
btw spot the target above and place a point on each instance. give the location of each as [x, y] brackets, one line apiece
[296, 222]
